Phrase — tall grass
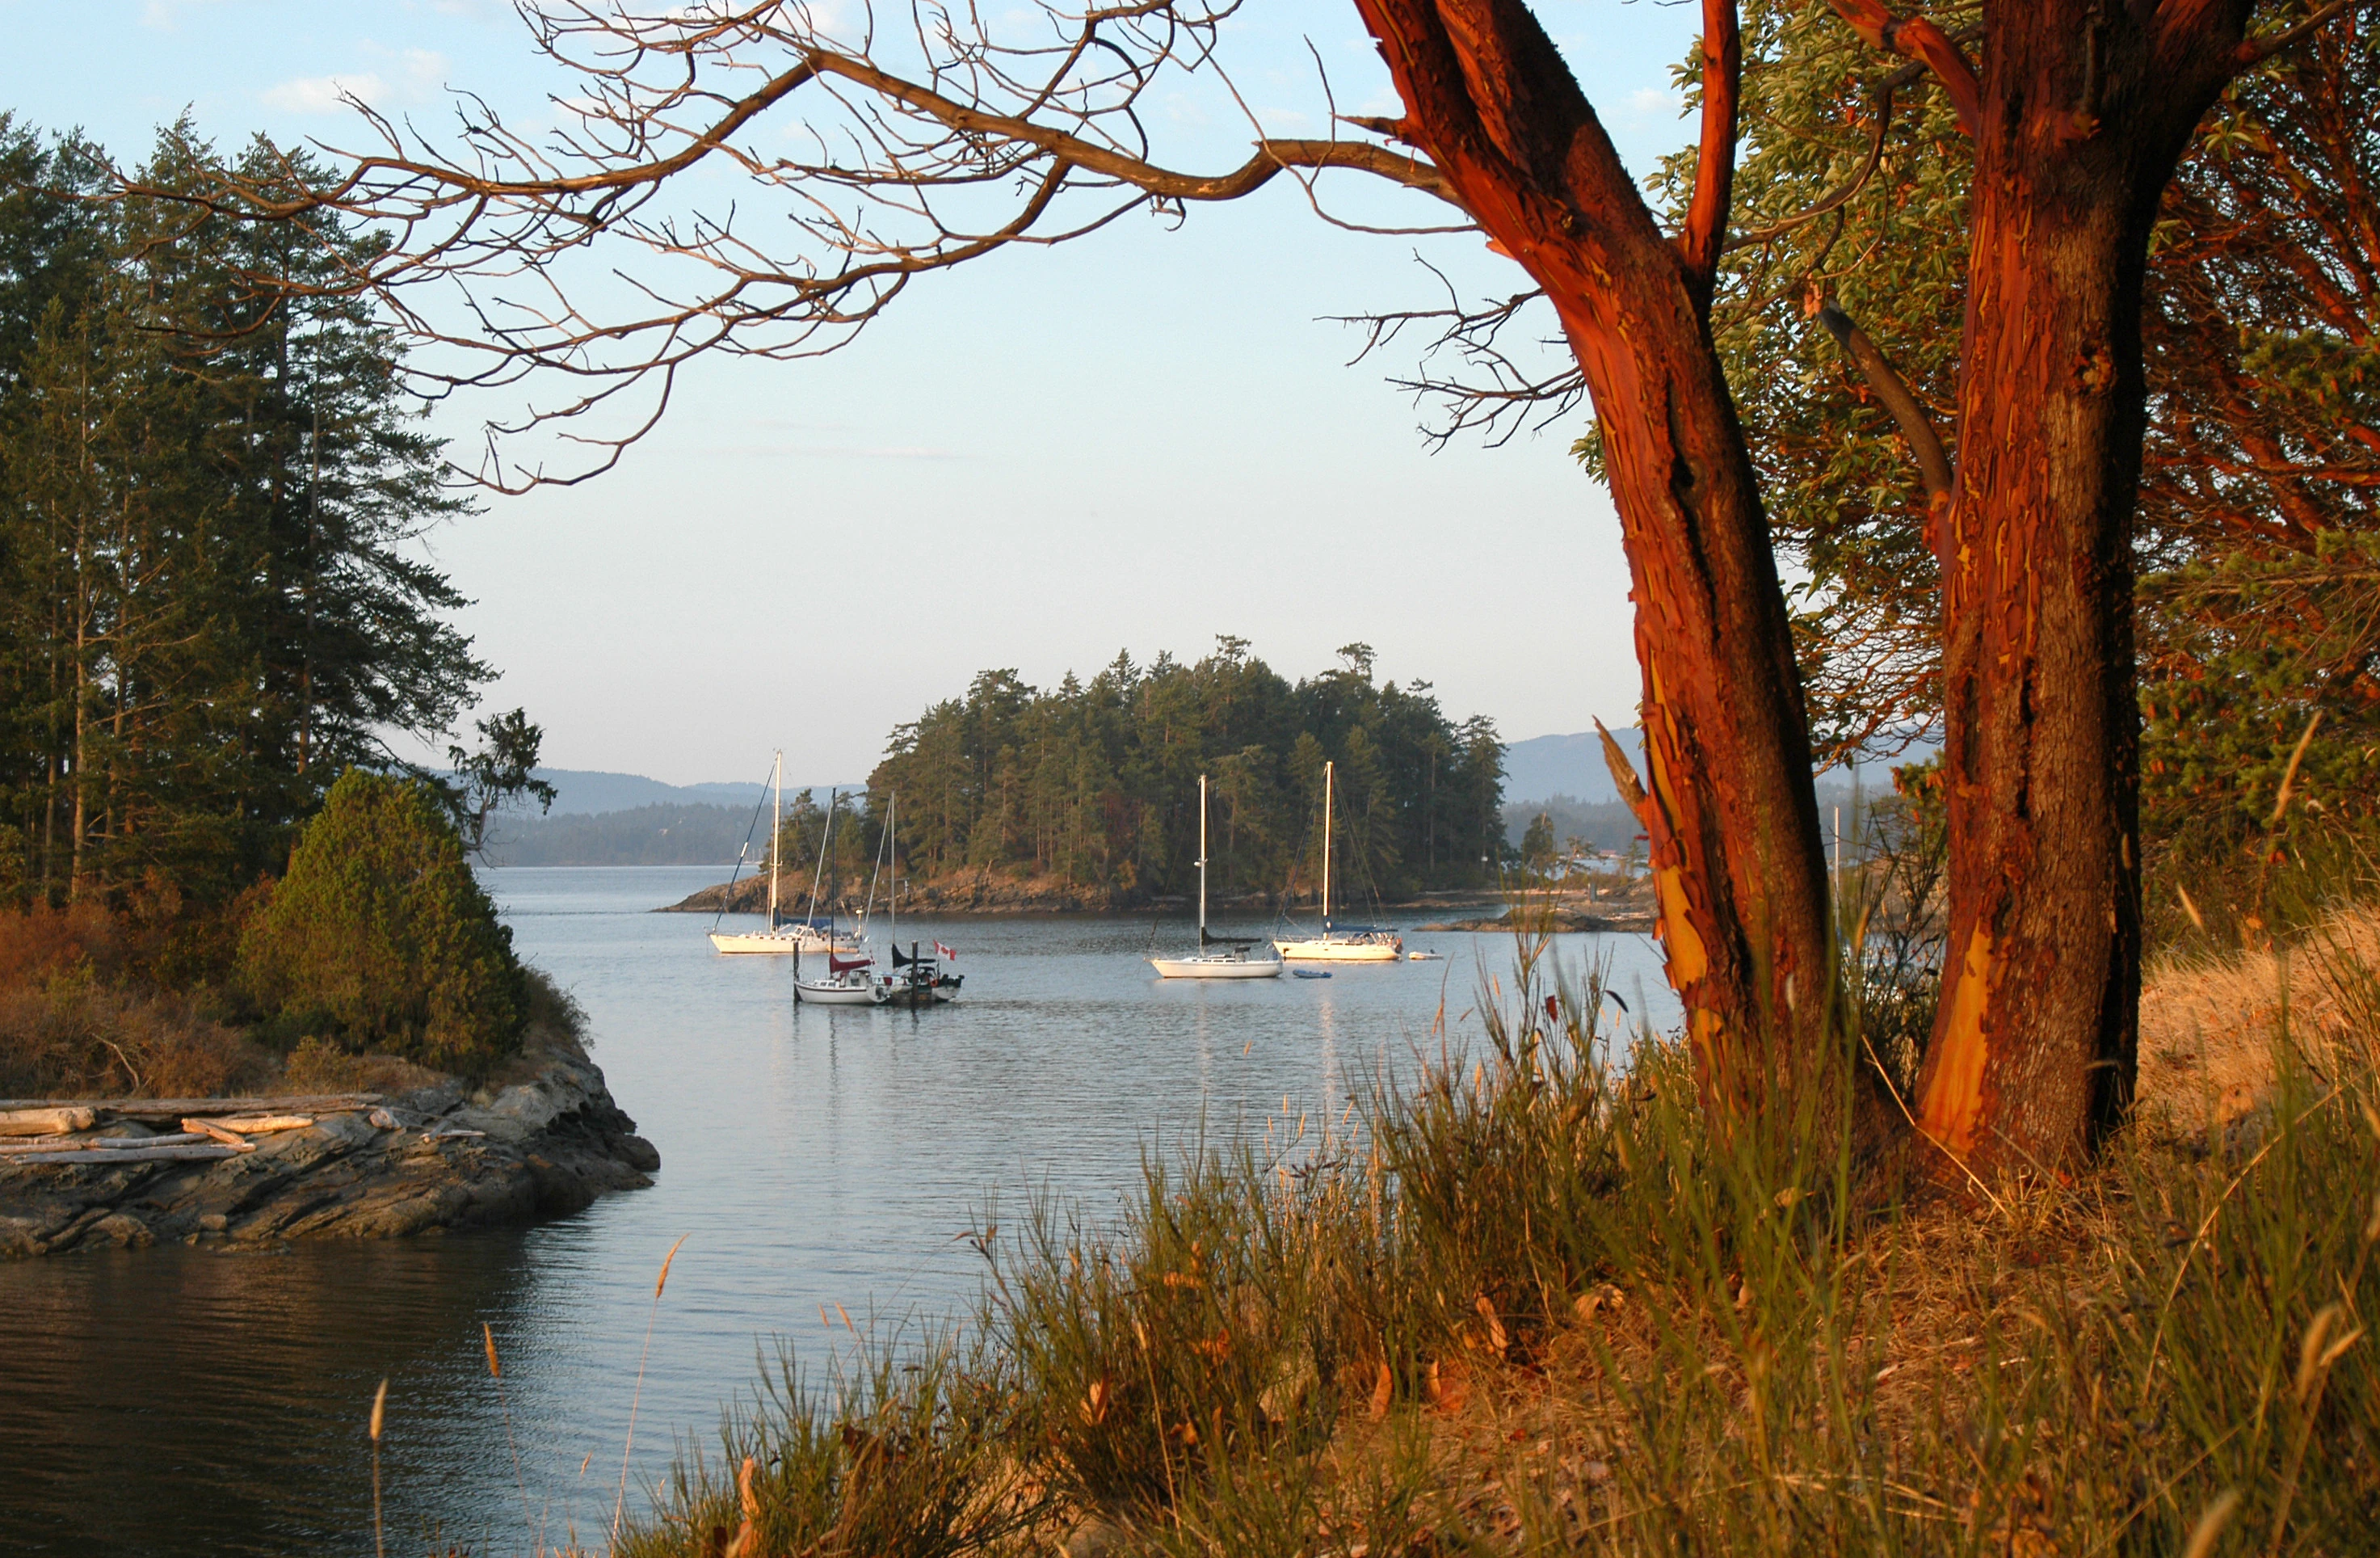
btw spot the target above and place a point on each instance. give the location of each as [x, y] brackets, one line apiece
[1524, 1305]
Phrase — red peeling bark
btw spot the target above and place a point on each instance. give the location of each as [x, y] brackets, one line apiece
[1731, 810]
[2085, 110]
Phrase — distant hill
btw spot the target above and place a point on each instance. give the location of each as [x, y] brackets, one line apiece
[1570, 766]
[1604, 824]
[644, 835]
[601, 819]
[586, 792]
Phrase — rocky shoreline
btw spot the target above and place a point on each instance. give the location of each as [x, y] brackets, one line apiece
[543, 1142]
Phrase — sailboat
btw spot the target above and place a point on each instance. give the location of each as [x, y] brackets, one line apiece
[848, 980]
[782, 936]
[916, 979]
[1217, 957]
[1341, 943]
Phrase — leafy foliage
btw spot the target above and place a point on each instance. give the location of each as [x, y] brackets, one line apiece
[381, 933]
[1097, 782]
[2259, 334]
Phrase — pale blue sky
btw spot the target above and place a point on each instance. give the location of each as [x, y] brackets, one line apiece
[1136, 442]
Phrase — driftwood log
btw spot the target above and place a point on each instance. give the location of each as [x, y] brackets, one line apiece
[255, 1124]
[51, 1120]
[176, 1108]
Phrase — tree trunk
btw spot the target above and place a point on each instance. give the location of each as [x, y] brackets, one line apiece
[2084, 114]
[1731, 810]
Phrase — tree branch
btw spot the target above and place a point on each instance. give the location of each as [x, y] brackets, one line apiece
[1705, 229]
[1271, 156]
[1849, 187]
[2253, 52]
[1933, 463]
[1918, 37]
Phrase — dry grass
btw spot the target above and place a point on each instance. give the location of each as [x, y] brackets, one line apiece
[1530, 1312]
[2214, 1028]
[72, 1039]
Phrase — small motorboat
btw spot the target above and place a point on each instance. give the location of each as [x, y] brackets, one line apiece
[1310, 973]
[1423, 957]
[918, 980]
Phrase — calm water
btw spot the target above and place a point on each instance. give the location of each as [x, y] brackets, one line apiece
[208, 1403]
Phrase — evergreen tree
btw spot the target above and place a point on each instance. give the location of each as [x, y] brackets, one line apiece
[380, 935]
[210, 494]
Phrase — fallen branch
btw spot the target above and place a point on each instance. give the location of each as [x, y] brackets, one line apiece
[230, 1139]
[12, 1149]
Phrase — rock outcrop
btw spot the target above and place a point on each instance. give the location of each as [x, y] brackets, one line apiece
[544, 1141]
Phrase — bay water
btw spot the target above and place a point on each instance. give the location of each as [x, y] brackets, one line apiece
[824, 1172]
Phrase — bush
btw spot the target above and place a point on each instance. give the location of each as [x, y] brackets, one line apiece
[380, 934]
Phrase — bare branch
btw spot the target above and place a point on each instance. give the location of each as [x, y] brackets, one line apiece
[869, 160]
[1924, 443]
[1919, 39]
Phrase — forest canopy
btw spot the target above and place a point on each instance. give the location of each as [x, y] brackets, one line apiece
[1095, 783]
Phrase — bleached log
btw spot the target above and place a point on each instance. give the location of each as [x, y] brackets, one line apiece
[175, 1108]
[258, 1125]
[140, 1153]
[55, 1120]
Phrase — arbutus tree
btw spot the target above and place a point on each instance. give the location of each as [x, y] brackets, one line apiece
[924, 148]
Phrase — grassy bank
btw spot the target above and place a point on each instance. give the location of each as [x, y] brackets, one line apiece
[1522, 1307]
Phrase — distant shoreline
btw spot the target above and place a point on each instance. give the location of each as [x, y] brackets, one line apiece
[991, 897]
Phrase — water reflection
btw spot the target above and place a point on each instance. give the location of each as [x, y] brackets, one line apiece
[812, 1157]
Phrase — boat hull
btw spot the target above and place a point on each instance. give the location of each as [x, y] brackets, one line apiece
[782, 943]
[870, 994]
[1339, 952]
[1216, 967]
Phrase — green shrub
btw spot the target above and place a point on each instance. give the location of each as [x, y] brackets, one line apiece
[380, 935]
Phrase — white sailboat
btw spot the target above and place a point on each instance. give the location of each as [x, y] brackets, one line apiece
[1348, 943]
[850, 981]
[1217, 957]
[783, 937]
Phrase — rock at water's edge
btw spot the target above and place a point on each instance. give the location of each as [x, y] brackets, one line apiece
[547, 1144]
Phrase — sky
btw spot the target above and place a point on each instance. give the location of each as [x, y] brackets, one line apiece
[1133, 442]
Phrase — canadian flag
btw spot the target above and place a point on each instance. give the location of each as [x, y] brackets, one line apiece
[945, 953]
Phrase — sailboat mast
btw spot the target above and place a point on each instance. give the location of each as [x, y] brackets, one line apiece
[1202, 862]
[892, 903]
[1327, 784]
[776, 827]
